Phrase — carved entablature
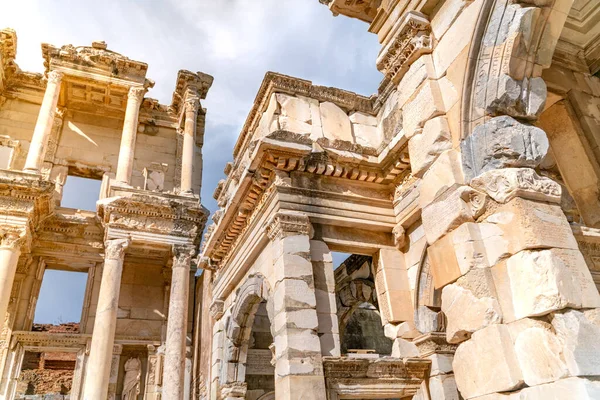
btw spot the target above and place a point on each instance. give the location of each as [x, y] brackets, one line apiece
[96, 59]
[411, 38]
[190, 84]
[365, 10]
[153, 217]
[278, 83]
[8, 52]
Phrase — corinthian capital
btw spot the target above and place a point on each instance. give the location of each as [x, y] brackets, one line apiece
[55, 77]
[288, 223]
[11, 239]
[182, 255]
[136, 93]
[114, 249]
[192, 104]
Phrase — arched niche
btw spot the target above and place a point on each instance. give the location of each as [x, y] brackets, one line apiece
[428, 299]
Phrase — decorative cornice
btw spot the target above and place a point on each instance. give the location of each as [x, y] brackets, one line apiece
[115, 249]
[188, 83]
[288, 223]
[278, 83]
[411, 40]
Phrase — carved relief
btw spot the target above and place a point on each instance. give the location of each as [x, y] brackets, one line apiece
[287, 223]
[115, 249]
[182, 255]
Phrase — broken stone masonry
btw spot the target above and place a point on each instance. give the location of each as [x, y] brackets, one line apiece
[465, 192]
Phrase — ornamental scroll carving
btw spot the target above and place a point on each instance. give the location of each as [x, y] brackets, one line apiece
[182, 255]
[288, 223]
[114, 249]
[412, 39]
[505, 184]
[55, 77]
[136, 93]
[11, 239]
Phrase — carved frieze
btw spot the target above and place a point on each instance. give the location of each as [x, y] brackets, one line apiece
[411, 40]
[288, 223]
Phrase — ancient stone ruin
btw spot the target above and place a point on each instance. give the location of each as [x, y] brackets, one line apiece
[465, 194]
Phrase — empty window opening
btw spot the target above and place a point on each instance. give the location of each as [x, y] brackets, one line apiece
[260, 372]
[46, 373]
[338, 258]
[81, 193]
[363, 332]
[61, 300]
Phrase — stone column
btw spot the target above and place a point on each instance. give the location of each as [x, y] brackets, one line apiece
[130, 125]
[9, 257]
[192, 104]
[173, 375]
[103, 338]
[43, 126]
[298, 367]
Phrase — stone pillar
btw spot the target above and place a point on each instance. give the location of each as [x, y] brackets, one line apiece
[78, 375]
[328, 331]
[130, 125]
[103, 338]
[192, 104]
[298, 367]
[9, 257]
[175, 346]
[43, 126]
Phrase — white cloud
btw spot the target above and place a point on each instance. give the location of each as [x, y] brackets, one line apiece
[236, 41]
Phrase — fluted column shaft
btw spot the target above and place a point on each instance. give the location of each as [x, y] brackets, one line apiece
[43, 126]
[174, 367]
[189, 137]
[103, 337]
[9, 257]
[127, 149]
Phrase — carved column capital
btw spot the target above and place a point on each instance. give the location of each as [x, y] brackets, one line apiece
[217, 308]
[288, 223]
[55, 77]
[191, 105]
[11, 240]
[136, 93]
[182, 255]
[114, 249]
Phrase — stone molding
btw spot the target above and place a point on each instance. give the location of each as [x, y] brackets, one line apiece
[188, 82]
[411, 40]
[216, 309]
[434, 343]
[288, 223]
[114, 249]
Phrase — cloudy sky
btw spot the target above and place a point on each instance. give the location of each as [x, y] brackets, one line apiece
[236, 41]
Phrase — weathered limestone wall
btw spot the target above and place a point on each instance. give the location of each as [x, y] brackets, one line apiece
[17, 121]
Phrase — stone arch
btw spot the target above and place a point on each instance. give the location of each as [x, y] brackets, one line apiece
[238, 326]
[428, 299]
[511, 44]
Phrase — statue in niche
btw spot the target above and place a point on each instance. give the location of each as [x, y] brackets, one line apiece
[131, 382]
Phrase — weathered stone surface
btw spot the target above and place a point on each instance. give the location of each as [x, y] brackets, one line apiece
[446, 15]
[366, 135]
[363, 119]
[428, 320]
[443, 387]
[579, 332]
[425, 148]
[426, 104]
[445, 173]
[294, 108]
[467, 313]
[540, 356]
[451, 210]
[335, 122]
[505, 184]
[503, 142]
[404, 348]
[518, 98]
[534, 283]
[488, 353]
[293, 125]
[570, 388]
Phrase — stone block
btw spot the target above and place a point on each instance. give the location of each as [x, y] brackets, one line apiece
[293, 125]
[420, 70]
[579, 332]
[336, 124]
[443, 387]
[366, 135]
[363, 119]
[426, 104]
[292, 266]
[425, 148]
[468, 247]
[294, 108]
[540, 356]
[570, 388]
[298, 319]
[489, 353]
[445, 173]
[428, 320]
[535, 283]
[451, 210]
[446, 15]
[390, 118]
[441, 363]
[293, 294]
[503, 142]
[505, 184]
[524, 98]
[403, 348]
[466, 313]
